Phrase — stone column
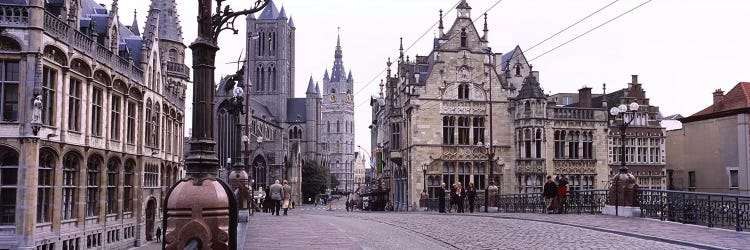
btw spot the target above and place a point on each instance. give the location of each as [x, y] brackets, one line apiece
[27, 193]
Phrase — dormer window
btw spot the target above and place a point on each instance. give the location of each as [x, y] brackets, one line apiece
[463, 38]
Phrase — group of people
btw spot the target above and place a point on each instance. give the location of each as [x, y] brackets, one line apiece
[278, 197]
[554, 193]
[350, 205]
[457, 195]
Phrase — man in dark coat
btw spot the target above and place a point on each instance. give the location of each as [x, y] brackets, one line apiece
[441, 198]
[549, 193]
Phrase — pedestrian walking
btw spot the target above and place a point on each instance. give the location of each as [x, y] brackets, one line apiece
[266, 201]
[441, 198]
[347, 205]
[158, 234]
[549, 193]
[286, 196]
[276, 191]
[471, 195]
[460, 194]
[562, 192]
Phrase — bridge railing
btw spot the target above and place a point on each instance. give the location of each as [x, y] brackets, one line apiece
[709, 209]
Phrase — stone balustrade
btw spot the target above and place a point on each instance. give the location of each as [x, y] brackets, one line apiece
[14, 15]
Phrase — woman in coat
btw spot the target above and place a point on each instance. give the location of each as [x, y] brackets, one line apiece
[471, 195]
[454, 198]
[460, 196]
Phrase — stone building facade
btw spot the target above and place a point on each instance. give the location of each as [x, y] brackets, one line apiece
[712, 150]
[338, 121]
[92, 128]
[470, 115]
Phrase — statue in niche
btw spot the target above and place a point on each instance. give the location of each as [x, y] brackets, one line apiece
[37, 110]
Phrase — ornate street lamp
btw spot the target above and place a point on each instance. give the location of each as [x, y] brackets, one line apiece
[623, 180]
[197, 192]
[490, 151]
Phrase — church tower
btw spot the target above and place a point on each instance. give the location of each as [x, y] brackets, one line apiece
[338, 119]
[270, 58]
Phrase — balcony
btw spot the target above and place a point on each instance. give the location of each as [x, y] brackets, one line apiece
[14, 15]
[178, 70]
[573, 114]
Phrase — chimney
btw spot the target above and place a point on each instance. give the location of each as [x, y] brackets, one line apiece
[634, 79]
[584, 97]
[718, 96]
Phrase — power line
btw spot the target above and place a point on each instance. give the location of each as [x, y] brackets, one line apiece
[574, 24]
[412, 45]
[589, 31]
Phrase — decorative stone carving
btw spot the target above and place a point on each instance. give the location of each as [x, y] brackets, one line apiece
[463, 153]
[463, 108]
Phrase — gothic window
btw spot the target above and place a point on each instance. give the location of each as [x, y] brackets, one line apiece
[338, 126]
[8, 185]
[464, 173]
[92, 188]
[573, 145]
[97, 95]
[273, 78]
[128, 187]
[49, 79]
[559, 144]
[588, 145]
[168, 135]
[518, 69]
[464, 37]
[9, 90]
[463, 91]
[156, 120]
[527, 108]
[131, 122]
[71, 164]
[148, 124]
[74, 105]
[449, 129]
[531, 184]
[449, 171]
[527, 143]
[538, 143]
[113, 170]
[328, 126]
[396, 136]
[478, 130]
[115, 118]
[262, 41]
[271, 42]
[150, 175]
[463, 130]
[173, 55]
[338, 149]
[263, 78]
[45, 183]
[479, 175]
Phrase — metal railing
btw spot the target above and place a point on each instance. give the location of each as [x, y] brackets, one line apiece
[708, 209]
[433, 204]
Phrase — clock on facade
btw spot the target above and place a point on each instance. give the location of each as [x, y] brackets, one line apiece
[333, 97]
[348, 98]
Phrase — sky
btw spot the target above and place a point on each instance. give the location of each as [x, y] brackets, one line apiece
[682, 50]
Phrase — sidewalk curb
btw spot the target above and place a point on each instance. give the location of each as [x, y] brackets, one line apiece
[600, 229]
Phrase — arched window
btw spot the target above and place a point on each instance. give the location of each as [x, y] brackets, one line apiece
[258, 71]
[113, 180]
[449, 123]
[527, 143]
[329, 126]
[573, 145]
[463, 130]
[45, 182]
[478, 130]
[338, 126]
[538, 143]
[271, 36]
[463, 91]
[71, 165]
[464, 37]
[8, 185]
[156, 120]
[92, 189]
[148, 124]
[273, 78]
[173, 55]
[128, 186]
[559, 144]
[527, 108]
[262, 41]
[518, 69]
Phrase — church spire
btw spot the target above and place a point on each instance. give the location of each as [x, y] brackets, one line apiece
[486, 30]
[441, 27]
[401, 49]
[114, 6]
[134, 27]
[338, 73]
[169, 20]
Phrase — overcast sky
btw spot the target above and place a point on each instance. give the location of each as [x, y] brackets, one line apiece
[682, 49]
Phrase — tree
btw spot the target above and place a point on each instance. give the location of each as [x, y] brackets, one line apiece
[334, 181]
[313, 180]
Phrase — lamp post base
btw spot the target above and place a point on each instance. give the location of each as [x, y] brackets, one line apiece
[622, 211]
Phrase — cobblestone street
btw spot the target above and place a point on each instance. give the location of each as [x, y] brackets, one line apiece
[314, 228]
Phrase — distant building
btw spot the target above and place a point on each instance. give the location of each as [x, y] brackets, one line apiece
[711, 151]
[360, 164]
[338, 120]
[110, 120]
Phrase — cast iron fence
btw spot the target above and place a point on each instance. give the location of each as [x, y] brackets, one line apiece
[709, 209]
